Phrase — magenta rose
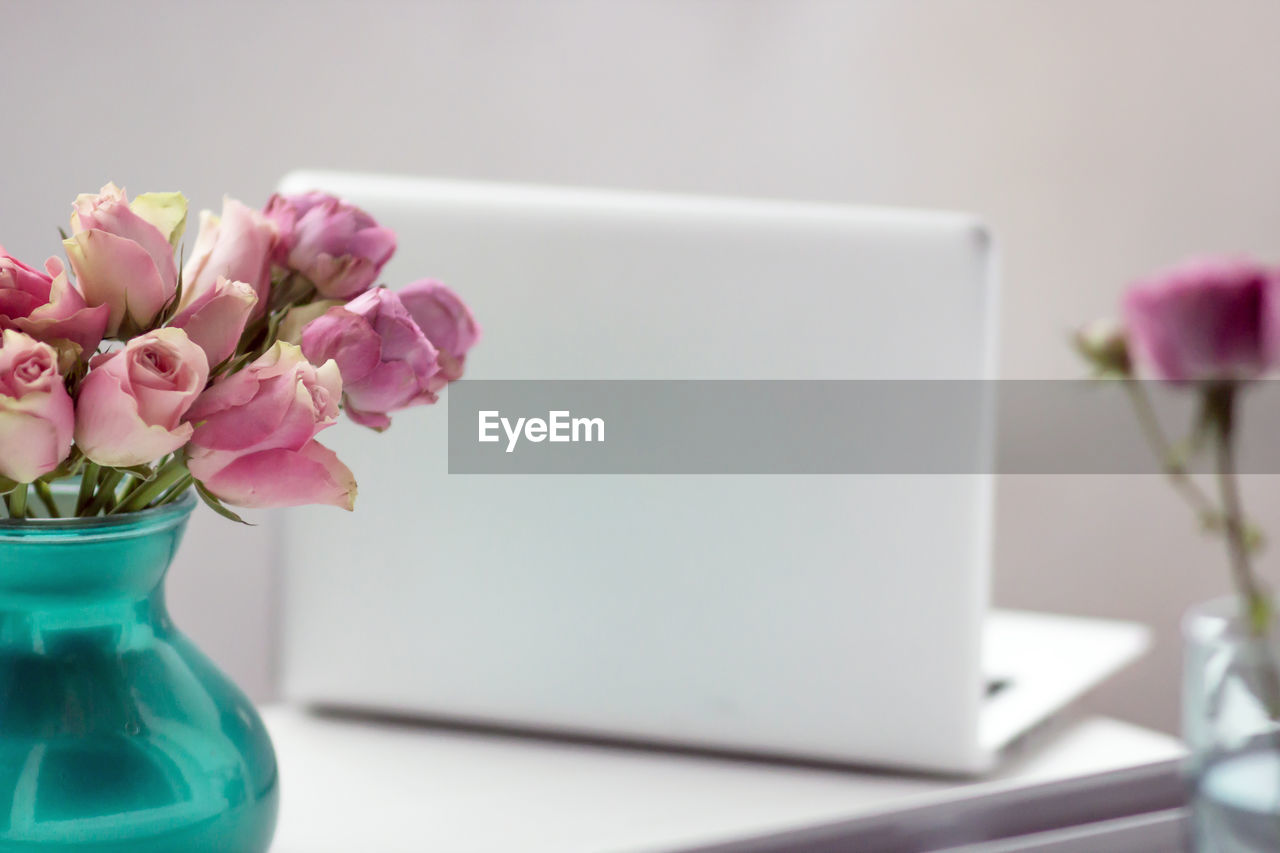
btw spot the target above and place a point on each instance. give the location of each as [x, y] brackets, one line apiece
[46, 306]
[130, 407]
[254, 444]
[215, 317]
[121, 259]
[236, 246]
[1204, 320]
[337, 246]
[386, 362]
[446, 321]
[37, 417]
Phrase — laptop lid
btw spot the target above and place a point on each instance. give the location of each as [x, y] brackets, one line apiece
[833, 617]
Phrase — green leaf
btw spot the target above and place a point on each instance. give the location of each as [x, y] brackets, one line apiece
[143, 472]
[7, 485]
[129, 329]
[273, 327]
[217, 505]
[232, 364]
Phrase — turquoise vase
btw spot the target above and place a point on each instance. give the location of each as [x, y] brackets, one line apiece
[116, 734]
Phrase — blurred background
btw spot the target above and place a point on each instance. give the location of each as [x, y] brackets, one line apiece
[1100, 138]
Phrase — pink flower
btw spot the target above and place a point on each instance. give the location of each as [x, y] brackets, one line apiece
[338, 246]
[300, 316]
[130, 407]
[36, 413]
[237, 246]
[47, 307]
[121, 260]
[446, 321]
[254, 445]
[1206, 319]
[215, 317]
[386, 362]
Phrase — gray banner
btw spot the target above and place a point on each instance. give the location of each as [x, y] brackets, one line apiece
[834, 427]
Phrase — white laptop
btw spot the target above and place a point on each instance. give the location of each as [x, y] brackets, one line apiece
[835, 618]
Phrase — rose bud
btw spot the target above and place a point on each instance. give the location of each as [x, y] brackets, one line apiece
[236, 246]
[255, 445]
[337, 246]
[1103, 344]
[37, 417]
[121, 259]
[215, 318]
[446, 321]
[166, 211]
[47, 307]
[130, 406]
[386, 362]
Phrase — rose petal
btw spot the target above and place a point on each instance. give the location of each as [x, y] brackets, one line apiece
[277, 478]
[118, 273]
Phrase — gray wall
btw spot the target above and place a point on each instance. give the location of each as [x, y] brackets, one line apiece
[1100, 138]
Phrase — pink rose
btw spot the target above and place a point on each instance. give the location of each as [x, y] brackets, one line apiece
[236, 246]
[47, 307]
[385, 360]
[446, 321]
[1206, 319]
[255, 445]
[338, 246]
[130, 407]
[300, 316]
[215, 317]
[121, 260]
[36, 413]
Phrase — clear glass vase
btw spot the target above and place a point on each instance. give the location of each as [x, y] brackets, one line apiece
[1230, 707]
[116, 734]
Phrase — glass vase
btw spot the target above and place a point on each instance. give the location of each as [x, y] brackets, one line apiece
[1231, 703]
[116, 734]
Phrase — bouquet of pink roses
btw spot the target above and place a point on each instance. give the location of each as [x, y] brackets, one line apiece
[144, 379]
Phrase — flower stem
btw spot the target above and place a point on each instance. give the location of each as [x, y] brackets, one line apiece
[46, 497]
[88, 481]
[127, 486]
[1223, 406]
[1173, 468]
[1257, 603]
[18, 502]
[173, 494]
[141, 497]
[106, 491]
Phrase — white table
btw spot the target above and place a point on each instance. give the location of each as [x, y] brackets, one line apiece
[366, 785]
